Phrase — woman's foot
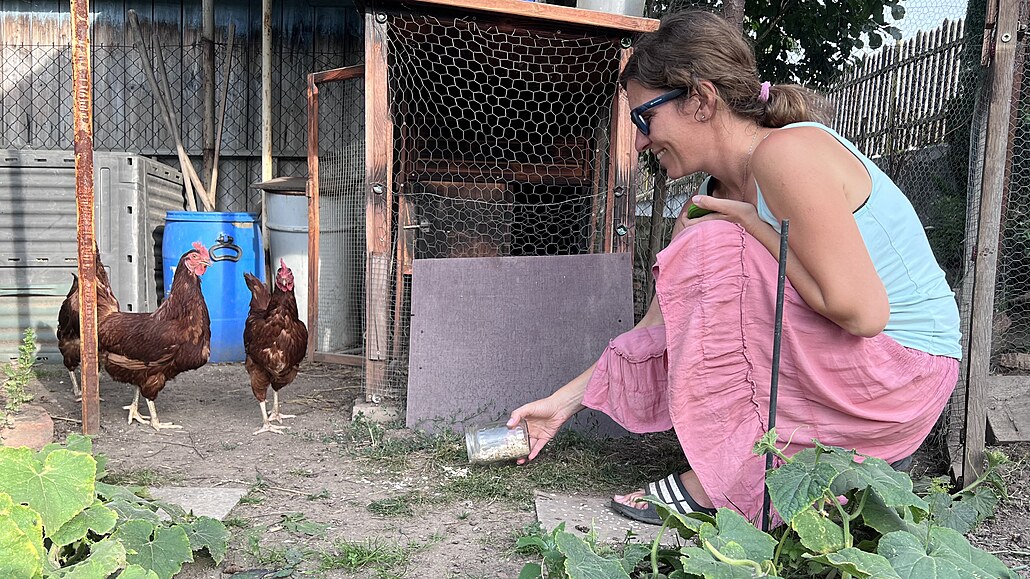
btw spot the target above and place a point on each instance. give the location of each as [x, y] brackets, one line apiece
[688, 480]
[681, 492]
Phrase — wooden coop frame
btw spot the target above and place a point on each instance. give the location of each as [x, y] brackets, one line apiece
[382, 181]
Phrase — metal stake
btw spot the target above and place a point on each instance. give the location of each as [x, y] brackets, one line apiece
[775, 379]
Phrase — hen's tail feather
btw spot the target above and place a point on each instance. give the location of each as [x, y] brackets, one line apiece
[258, 291]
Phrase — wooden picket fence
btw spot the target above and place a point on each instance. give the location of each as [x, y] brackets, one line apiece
[895, 100]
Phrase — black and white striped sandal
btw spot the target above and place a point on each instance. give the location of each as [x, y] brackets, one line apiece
[670, 491]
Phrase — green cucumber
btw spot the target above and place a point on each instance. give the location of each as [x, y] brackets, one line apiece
[693, 211]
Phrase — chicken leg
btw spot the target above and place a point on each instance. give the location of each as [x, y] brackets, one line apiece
[276, 416]
[76, 390]
[154, 422]
[268, 426]
[134, 410]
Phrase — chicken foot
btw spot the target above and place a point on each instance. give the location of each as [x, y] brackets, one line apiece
[134, 410]
[275, 415]
[268, 426]
[154, 422]
[76, 389]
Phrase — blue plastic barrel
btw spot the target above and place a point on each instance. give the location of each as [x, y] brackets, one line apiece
[234, 242]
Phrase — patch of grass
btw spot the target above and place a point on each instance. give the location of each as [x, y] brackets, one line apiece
[230, 445]
[237, 522]
[395, 506]
[143, 477]
[572, 462]
[251, 499]
[385, 559]
[304, 473]
[19, 373]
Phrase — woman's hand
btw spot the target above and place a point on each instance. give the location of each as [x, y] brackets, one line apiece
[544, 418]
[739, 212]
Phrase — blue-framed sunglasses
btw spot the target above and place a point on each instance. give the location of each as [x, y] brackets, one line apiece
[636, 114]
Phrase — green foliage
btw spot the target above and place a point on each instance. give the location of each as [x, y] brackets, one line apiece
[19, 372]
[58, 520]
[843, 514]
[809, 40]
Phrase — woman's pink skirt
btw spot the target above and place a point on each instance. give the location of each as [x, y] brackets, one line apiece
[706, 372]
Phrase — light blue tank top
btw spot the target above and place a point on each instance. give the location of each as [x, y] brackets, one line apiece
[923, 311]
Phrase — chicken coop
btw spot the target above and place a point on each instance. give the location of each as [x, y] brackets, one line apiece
[472, 219]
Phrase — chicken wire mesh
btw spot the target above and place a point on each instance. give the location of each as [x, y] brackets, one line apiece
[914, 107]
[1010, 345]
[35, 103]
[341, 225]
[500, 148]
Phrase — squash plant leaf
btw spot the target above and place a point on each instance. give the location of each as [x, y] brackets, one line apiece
[949, 555]
[946, 512]
[96, 518]
[160, 549]
[858, 563]
[582, 563]
[21, 540]
[735, 537]
[137, 572]
[699, 562]
[58, 488]
[130, 511]
[686, 525]
[531, 571]
[210, 534]
[794, 486]
[895, 488]
[105, 557]
[984, 500]
[818, 532]
[882, 518]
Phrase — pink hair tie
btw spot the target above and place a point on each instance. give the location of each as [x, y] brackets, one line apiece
[763, 96]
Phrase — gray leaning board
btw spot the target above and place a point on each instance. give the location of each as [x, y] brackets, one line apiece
[38, 248]
[490, 334]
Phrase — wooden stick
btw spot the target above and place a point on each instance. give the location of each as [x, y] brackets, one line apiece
[191, 202]
[213, 189]
[166, 94]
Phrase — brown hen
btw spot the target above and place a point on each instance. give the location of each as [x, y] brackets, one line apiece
[275, 341]
[148, 350]
[68, 338]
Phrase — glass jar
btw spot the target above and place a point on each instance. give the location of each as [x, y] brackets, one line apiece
[495, 442]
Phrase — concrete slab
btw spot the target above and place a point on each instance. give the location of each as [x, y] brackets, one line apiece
[214, 502]
[376, 413]
[582, 513]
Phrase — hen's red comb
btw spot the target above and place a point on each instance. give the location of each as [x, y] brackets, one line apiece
[201, 250]
[282, 264]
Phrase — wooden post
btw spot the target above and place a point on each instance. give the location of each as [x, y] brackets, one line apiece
[378, 204]
[1004, 92]
[82, 114]
[207, 41]
[623, 166]
[313, 216]
[266, 109]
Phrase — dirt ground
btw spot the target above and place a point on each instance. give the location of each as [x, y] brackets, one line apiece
[309, 471]
[303, 471]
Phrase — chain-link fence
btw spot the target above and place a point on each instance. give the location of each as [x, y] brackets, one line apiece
[35, 103]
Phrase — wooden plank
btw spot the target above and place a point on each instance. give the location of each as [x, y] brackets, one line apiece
[237, 120]
[994, 185]
[378, 204]
[342, 359]
[185, 59]
[549, 13]
[1008, 415]
[313, 217]
[623, 167]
